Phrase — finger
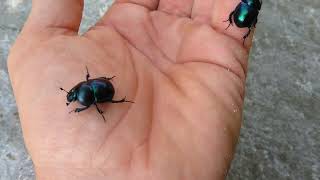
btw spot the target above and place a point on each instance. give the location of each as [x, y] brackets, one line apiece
[132, 8]
[176, 7]
[55, 14]
[202, 11]
[215, 13]
[149, 4]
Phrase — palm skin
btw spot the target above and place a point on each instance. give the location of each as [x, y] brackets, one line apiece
[185, 76]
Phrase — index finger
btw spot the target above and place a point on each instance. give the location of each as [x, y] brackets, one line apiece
[55, 14]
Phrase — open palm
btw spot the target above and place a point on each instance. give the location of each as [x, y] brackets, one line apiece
[173, 58]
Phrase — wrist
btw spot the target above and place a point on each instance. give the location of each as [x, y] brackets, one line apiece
[63, 173]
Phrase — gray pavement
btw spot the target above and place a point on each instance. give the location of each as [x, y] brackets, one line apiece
[280, 138]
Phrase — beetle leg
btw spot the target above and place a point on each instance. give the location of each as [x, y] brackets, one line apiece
[255, 22]
[245, 36]
[253, 25]
[111, 78]
[107, 78]
[100, 111]
[230, 20]
[77, 110]
[121, 101]
[88, 75]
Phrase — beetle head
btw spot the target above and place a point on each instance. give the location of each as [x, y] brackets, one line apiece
[71, 96]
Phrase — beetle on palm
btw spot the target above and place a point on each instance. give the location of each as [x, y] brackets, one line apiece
[245, 15]
[92, 92]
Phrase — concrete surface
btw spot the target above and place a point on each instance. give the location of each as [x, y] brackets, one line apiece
[280, 139]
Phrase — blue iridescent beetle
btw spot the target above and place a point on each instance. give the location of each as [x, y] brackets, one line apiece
[92, 92]
[245, 15]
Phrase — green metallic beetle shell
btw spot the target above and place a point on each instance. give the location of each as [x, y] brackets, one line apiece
[245, 15]
[103, 90]
[254, 3]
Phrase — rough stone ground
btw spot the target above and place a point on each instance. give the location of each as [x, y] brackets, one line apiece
[280, 139]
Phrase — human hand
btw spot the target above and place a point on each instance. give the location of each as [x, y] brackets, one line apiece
[173, 58]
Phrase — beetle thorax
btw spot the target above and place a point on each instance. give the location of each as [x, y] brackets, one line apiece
[85, 95]
[71, 96]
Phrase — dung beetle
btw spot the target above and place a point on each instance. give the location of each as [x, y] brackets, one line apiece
[245, 15]
[92, 92]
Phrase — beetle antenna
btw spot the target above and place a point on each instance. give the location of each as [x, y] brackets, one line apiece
[64, 90]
